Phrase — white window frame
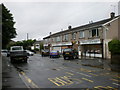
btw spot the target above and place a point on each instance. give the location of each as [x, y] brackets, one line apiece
[81, 34]
[65, 37]
[74, 35]
[96, 33]
[58, 39]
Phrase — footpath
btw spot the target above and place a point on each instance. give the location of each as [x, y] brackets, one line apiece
[10, 77]
[100, 63]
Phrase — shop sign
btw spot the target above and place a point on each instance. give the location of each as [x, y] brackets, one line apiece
[93, 41]
[62, 44]
[45, 45]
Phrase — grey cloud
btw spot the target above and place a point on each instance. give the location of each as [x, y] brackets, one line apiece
[38, 19]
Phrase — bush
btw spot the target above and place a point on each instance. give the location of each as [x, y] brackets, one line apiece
[36, 49]
[114, 46]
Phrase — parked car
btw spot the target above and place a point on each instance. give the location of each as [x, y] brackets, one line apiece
[8, 53]
[45, 53]
[17, 53]
[29, 53]
[4, 52]
[69, 53]
[54, 54]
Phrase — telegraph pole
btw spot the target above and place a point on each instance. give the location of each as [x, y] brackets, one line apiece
[27, 36]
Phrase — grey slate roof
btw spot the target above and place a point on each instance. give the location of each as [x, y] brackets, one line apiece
[94, 24]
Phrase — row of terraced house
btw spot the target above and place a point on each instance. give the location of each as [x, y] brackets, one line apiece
[91, 40]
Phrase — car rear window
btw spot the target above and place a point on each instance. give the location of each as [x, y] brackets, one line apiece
[16, 48]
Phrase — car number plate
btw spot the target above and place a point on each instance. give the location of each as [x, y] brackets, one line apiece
[67, 53]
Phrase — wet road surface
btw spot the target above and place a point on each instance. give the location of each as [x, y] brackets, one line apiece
[45, 72]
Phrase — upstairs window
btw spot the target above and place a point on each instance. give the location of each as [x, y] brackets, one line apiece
[73, 35]
[65, 37]
[53, 39]
[58, 39]
[94, 33]
[81, 34]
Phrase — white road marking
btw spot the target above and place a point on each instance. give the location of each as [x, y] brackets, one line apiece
[84, 74]
[116, 84]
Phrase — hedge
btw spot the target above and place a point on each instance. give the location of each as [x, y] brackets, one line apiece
[114, 46]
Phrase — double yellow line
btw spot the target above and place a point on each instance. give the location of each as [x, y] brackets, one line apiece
[28, 82]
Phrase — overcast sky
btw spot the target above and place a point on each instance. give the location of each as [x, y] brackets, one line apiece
[39, 18]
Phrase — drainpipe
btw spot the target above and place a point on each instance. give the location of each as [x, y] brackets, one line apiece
[105, 29]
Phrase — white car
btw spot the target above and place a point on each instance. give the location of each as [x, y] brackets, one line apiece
[4, 52]
[30, 53]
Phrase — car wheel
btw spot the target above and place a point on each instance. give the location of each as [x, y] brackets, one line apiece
[64, 58]
[76, 57]
[58, 56]
[50, 56]
[25, 61]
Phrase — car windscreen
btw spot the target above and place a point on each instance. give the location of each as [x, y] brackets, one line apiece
[16, 48]
[67, 50]
[53, 51]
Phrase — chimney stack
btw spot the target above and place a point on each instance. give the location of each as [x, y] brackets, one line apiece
[69, 27]
[50, 33]
[112, 14]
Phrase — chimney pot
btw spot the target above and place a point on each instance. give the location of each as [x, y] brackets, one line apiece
[112, 14]
[69, 27]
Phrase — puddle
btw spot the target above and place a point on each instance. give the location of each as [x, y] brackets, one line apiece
[99, 66]
[54, 69]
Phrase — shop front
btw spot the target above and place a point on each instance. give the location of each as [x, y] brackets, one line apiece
[92, 48]
[61, 46]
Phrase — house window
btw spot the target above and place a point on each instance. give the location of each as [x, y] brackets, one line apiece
[94, 33]
[53, 39]
[81, 34]
[73, 35]
[58, 39]
[65, 37]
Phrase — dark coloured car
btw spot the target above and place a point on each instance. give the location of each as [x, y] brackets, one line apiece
[45, 52]
[54, 54]
[69, 53]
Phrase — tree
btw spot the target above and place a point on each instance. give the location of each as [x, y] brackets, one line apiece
[8, 30]
[114, 46]
[28, 43]
[25, 43]
[41, 46]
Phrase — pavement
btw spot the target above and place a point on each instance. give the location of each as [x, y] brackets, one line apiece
[9, 73]
[100, 63]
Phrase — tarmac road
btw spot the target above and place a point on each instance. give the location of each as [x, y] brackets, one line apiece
[45, 72]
